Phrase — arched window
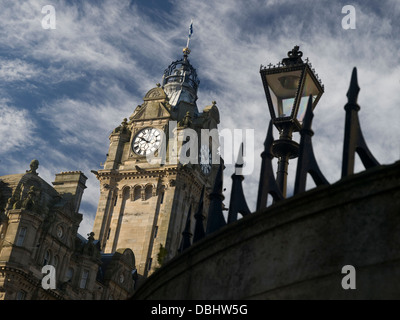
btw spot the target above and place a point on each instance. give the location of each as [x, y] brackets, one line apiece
[126, 194]
[55, 261]
[137, 193]
[84, 279]
[69, 274]
[21, 236]
[46, 258]
[148, 192]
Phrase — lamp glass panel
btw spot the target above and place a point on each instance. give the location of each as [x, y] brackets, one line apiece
[309, 88]
[283, 88]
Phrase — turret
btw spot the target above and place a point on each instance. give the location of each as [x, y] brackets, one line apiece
[180, 81]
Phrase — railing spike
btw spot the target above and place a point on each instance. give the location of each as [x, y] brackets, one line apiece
[215, 218]
[267, 184]
[186, 234]
[237, 202]
[307, 162]
[353, 137]
[354, 89]
[199, 232]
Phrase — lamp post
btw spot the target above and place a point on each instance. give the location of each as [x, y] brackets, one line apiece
[287, 87]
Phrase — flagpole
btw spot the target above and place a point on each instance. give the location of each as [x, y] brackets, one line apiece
[190, 34]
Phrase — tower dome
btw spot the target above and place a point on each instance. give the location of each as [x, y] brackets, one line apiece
[180, 81]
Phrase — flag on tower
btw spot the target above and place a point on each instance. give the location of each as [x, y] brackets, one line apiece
[191, 29]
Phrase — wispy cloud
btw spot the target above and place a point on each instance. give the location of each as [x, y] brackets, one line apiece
[16, 128]
[69, 87]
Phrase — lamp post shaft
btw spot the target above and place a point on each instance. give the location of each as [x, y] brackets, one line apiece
[284, 149]
[281, 174]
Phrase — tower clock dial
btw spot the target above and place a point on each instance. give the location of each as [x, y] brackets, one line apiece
[60, 232]
[147, 141]
[205, 159]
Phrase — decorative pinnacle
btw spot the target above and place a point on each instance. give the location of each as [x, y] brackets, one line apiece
[354, 89]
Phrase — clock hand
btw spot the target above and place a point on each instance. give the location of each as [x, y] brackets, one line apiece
[144, 139]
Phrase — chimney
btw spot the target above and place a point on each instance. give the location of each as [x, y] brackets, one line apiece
[71, 184]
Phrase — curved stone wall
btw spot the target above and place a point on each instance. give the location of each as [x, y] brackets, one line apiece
[296, 249]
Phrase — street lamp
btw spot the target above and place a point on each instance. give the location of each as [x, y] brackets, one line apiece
[288, 86]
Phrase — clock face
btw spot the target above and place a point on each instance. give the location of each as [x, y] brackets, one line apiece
[205, 159]
[147, 141]
[60, 232]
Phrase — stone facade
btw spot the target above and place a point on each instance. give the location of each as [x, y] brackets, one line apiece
[38, 227]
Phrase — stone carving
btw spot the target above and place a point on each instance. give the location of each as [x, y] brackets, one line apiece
[34, 165]
[186, 121]
[155, 94]
[123, 128]
[91, 248]
[15, 201]
[31, 202]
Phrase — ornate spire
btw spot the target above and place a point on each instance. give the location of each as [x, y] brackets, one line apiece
[180, 80]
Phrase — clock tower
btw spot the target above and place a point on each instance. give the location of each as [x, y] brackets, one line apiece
[157, 164]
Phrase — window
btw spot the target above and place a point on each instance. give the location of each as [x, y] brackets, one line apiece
[55, 261]
[85, 276]
[21, 295]
[162, 197]
[108, 233]
[137, 194]
[69, 275]
[21, 236]
[148, 192]
[155, 231]
[149, 264]
[46, 258]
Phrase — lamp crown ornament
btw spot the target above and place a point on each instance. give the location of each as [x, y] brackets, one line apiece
[294, 57]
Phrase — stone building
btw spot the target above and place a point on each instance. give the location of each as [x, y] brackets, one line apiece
[38, 227]
[161, 162]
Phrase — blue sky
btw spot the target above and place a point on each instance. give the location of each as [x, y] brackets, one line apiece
[63, 91]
